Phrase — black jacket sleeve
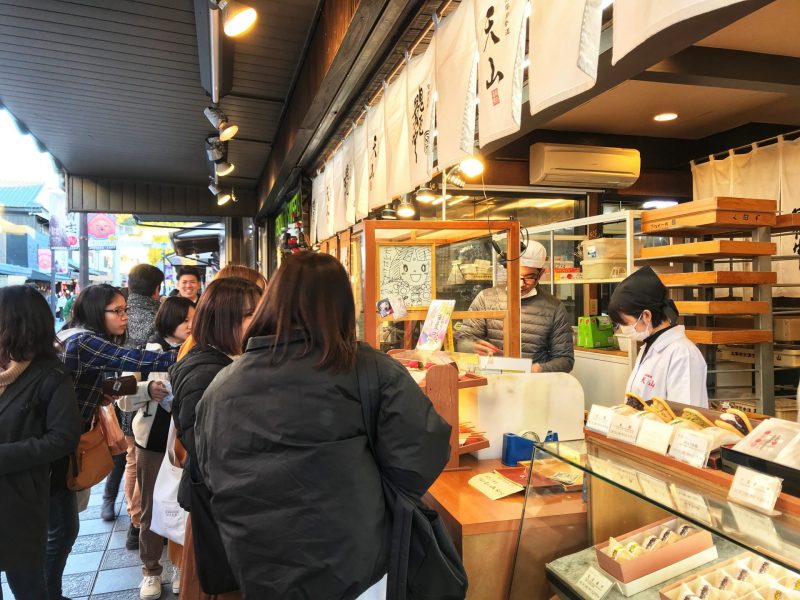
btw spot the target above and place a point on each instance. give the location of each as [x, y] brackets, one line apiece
[187, 394]
[56, 397]
[412, 441]
[562, 355]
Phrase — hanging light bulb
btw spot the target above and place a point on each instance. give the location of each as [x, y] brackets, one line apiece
[220, 121]
[236, 17]
[425, 195]
[406, 208]
[224, 168]
[471, 166]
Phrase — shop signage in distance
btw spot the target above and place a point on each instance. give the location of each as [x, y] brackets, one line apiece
[691, 447]
[599, 419]
[655, 435]
[594, 585]
[624, 428]
[755, 490]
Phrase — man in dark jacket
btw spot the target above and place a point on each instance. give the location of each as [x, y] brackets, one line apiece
[546, 333]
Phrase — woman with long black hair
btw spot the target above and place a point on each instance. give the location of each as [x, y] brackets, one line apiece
[39, 424]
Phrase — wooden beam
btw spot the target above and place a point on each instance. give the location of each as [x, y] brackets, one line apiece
[733, 69]
[350, 41]
[656, 49]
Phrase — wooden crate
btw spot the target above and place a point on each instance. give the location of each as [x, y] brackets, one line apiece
[785, 408]
[722, 307]
[715, 215]
[718, 279]
[702, 251]
[721, 335]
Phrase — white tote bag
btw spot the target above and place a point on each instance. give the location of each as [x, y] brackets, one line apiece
[169, 519]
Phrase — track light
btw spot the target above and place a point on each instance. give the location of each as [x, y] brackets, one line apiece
[455, 179]
[236, 17]
[425, 195]
[214, 149]
[406, 208]
[220, 121]
[223, 198]
[388, 213]
[224, 168]
[214, 188]
[472, 166]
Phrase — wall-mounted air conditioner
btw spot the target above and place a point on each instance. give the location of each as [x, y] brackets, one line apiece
[583, 166]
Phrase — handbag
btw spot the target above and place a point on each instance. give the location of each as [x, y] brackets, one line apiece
[91, 462]
[109, 424]
[168, 518]
[423, 561]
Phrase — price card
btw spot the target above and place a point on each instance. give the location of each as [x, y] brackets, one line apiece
[593, 584]
[656, 490]
[494, 486]
[691, 447]
[599, 419]
[755, 489]
[624, 428]
[692, 504]
[655, 435]
[755, 524]
[624, 476]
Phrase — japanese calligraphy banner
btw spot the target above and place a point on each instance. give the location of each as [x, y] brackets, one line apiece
[339, 210]
[317, 206]
[564, 50]
[501, 49]
[361, 175]
[637, 20]
[420, 114]
[376, 153]
[398, 139]
[455, 83]
[348, 183]
[327, 216]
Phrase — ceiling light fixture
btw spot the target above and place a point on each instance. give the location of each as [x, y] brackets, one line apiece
[659, 204]
[406, 208]
[213, 187]
[663, 117]
[455, 179]
[215, 151]
[388, 213]
[223, 168]
[223, 198]
[472, 166]
[219, 120]
[236, 17]
[425, 195]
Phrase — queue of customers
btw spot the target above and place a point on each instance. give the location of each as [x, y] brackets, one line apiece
[259, 385]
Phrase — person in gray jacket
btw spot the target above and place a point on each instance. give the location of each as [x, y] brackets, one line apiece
[546, 335]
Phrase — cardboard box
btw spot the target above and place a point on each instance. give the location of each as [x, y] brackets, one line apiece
[654, 560]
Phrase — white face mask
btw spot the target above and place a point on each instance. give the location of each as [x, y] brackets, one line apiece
[630, 331]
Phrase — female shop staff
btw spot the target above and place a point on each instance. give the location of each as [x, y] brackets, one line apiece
[668, 365]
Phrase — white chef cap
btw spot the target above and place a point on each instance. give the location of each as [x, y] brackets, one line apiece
[534, 256]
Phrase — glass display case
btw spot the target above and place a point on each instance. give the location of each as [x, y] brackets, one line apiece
[657, 529]
[420, 261]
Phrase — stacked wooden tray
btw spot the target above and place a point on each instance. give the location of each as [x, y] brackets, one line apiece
[710, 216]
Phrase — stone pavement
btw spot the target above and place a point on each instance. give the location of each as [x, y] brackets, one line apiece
[100, 568]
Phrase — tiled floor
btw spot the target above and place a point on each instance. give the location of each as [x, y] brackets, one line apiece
[100, 568]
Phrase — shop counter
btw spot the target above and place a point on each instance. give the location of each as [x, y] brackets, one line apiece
[486, 531]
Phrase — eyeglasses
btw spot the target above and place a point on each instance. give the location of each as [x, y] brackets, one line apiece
[531, 278]
[120, 312]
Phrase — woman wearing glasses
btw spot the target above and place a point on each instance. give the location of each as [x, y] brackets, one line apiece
[92, 351]
[669, 365]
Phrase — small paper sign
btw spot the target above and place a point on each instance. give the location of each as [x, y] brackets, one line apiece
[690, 447]
[624, 428]
[656, 490]
[593, 584]
[624, 476]
[755, 489]
[692, 504]
[599, 419]
[655, 435]
[494, 486]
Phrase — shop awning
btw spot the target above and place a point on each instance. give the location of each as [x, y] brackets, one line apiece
[7, 269]
[42, 276]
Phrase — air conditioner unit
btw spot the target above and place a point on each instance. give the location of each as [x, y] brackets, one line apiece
[583, 166]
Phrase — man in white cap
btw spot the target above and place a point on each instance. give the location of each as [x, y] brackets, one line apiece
[546, 333]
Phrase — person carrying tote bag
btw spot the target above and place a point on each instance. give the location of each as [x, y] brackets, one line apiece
[169, 519]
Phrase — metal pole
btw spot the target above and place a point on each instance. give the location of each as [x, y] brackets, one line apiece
[83, 252]
[765, 370]
[53, 297]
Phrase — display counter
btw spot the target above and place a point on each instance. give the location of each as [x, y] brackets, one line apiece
[486, 531]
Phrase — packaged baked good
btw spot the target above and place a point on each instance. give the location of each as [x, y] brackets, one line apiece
[651, 542]
[685, 530]
[667, 536]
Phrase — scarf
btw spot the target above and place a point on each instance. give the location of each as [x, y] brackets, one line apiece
[10, 375]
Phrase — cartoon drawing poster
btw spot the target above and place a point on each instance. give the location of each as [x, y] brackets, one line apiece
[407, 273]
[434, 330]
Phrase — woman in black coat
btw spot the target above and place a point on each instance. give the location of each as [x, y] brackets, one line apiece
[39, 424]
[282, 445]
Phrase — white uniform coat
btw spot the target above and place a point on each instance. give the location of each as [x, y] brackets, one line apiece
[674, 369]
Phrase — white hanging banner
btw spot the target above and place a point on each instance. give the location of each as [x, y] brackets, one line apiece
[398, 138]
[702, 180]
[419, 107]
[339, 204]
[317, 201]
[376, 155]
[348, 182]
[501, 48]
[789, 270]
[327, 229]
[564, 50]
[456, 78]
[361, 174]
[637, 20]
[756, 174]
